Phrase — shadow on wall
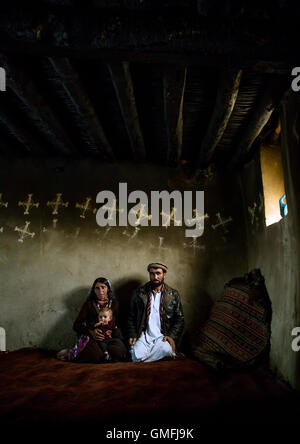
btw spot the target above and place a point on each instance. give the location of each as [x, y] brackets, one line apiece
[123, 291]
[199, 315]
[198, 307]
[62, 335]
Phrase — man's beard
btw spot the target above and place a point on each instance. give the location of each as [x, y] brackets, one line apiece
[156, 284]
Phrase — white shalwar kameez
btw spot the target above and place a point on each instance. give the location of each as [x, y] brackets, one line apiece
[150, 345]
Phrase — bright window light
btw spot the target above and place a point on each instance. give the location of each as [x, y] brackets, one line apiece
[273, 183]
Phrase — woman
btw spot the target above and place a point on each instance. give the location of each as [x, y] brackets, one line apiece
[100, 296]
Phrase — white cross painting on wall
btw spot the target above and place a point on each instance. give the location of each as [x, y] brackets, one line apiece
[3, 204]
[85, 207]
[24, 232]
[57, 203]
[28, 204]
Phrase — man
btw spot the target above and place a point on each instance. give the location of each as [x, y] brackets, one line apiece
[155, 321]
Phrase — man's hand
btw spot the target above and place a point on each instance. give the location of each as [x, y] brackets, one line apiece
[171, 342]
[132, 341]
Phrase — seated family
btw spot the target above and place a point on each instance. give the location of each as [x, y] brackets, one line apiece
[155, 323]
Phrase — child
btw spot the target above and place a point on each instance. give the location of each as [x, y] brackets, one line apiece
[107, 327]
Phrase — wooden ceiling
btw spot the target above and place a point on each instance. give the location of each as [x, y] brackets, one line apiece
[144, 81]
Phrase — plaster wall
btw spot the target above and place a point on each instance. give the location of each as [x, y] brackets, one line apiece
[273, 254]
[276, 249]
[46, 278]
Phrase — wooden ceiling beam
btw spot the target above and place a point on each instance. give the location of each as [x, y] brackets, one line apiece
[260, 116]
[173, 90]
[66, 84]
[26, 98]
[225, 100]
[47, 125]
[28, 145]
[122, 82]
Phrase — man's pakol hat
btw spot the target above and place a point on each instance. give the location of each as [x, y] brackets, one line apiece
[157, 265]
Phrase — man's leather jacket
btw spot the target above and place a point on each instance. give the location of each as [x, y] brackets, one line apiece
[172, 313]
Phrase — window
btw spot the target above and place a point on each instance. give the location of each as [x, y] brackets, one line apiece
[273, 181]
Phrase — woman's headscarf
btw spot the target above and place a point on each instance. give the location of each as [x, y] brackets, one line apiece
[104, 281]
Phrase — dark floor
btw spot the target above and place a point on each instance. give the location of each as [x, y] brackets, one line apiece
[37, 390]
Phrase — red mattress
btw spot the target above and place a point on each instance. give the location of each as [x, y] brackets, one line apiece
[37, 389]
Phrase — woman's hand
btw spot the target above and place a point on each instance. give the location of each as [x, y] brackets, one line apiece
[97, 335]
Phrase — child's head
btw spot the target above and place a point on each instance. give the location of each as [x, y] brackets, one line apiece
[105, 315]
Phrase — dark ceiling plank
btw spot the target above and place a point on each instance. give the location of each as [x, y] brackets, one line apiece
[131, 5]
[225, 100]
[47, 124]
[66, 84]
[267, 102]
[251, 87]
[40, 123]
[19, 95]
[199, 100]
[27, 144]
[86, 33]
[123, 85]
[173, 90]
[227, 9]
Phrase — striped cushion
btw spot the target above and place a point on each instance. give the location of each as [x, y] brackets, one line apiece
[238, 329]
